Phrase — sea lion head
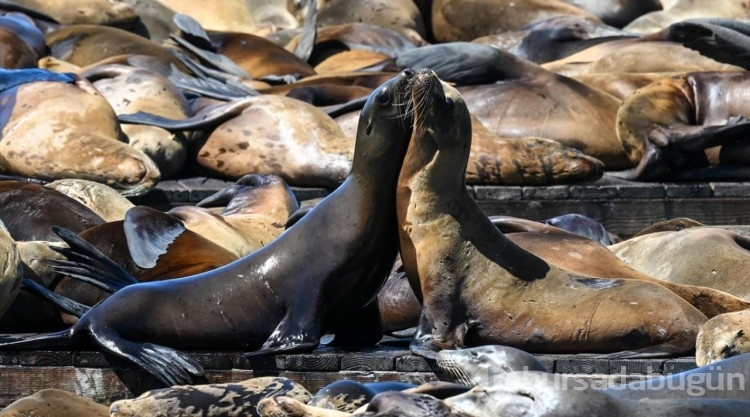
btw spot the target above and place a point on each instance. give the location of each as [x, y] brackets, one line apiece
[442, 126]
[384, 124]
[479, 365]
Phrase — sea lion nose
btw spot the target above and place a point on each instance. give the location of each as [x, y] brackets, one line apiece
[408, 72]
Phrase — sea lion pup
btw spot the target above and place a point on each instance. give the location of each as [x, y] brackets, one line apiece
[479, 288]
[318, 276]
[723, 336]
[682, 129]
[479, 365]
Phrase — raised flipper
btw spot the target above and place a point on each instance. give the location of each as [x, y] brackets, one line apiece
[168, 365]
[64, 303]
[725, 40]
[192, 27]
[204, 120]
[88, 264]
[149, 233]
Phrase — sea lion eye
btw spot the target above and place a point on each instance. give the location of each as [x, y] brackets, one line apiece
[385, 98]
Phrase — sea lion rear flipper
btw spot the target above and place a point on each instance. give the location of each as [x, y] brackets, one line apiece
[168, 365]
[309, 31]
[88, 264]
[64, 303]
[149, 233]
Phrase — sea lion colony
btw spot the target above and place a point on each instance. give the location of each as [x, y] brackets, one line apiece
[537, 97]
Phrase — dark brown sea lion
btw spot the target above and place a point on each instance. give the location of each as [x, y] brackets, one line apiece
[681, 128]
[54, 130]
[252, 303]
[30, 210]
[454, 20]
[21, 42]
[479, 288]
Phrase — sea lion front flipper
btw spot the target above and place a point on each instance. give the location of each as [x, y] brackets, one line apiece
[87, 263]
[298, 331]
[421, 344]
[309, 31]
[149, 233]
[64, 303]
[361, 329]
[168, 365]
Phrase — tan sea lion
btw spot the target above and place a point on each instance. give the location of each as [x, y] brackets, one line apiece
[679, 10]
[130, 90]
[681, 129]
[84, 45]
[251, 16]
[210, 400]
[281, 136]
[636, 56]
[479, 288]
[708, 257]
[58, 130]
[722, 337]
[102, 199]
[401, 16]
[54, 403]
[11, 272]
[94, 12]
[464, 21]
[617, 12]
[252, 303]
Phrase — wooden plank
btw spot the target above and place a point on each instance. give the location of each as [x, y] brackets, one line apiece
[582, 365]
[627, 217]
[636, 366]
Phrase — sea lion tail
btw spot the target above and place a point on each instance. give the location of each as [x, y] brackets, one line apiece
[88, 264]
[64, 303]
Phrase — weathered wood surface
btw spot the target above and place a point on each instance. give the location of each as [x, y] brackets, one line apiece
[624, 207]
[106, 379]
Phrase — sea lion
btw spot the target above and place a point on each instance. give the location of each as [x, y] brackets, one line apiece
[617, 13]
[479, 288]
[102, 199]
[708, 257]
[678, 10]
[553, 38]
[54, 403]
[11, 272]
[253, 16]
[402, 16]
[84, 45]
[209, 400]
[30, 210]
[540, 394]
[479, 365]
[679, 129]
[281, 136]
[670, 225]
[723, 336]
[464, 21]
[252, 303]
[94, 12]
[130, 90]
[20, 41]
[54, 130]
[725, 380]
[509, 96]
[347, 395]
